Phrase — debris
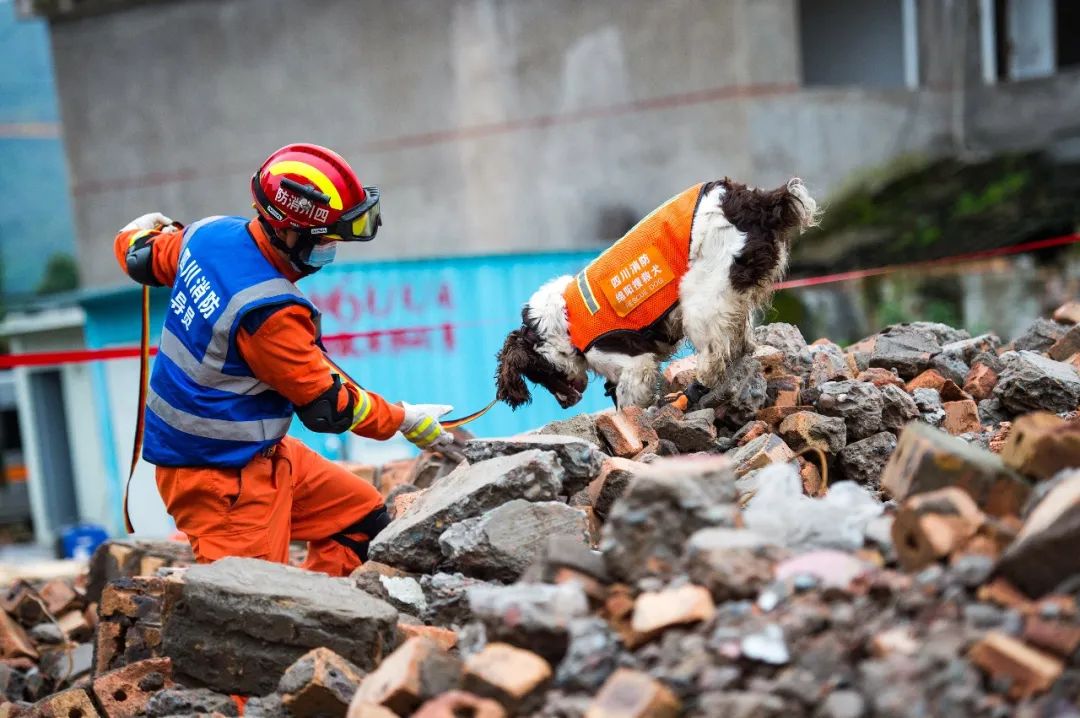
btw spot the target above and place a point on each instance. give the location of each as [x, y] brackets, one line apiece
[579, 459]
[185, 701]
[320, 683]
[655, 612]
[1044, 553]
[417, 671]
[512, 676]
[926, 460]
[690, 433]
[453, 704]
[859, 404]
[633, 694]
[531, 616]
[615, 475]
[237, 624]
[809, 430]
[980, 382]
[961, 417]
[411, 541]
[1040, 335]
[732, 563]
[759, 453]
[1028, 671]
[125, 692]
[501, 543]
[863, 461]
[1040, 445]
[1068, 313]
[626, 431]
[1031, 382]
[932, 525]
[898, 408]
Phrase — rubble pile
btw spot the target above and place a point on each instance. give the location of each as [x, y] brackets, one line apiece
[889, 529]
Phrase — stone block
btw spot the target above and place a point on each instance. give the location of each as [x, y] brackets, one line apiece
[690, 433]
[859, 404]
[1032, 382]
[961, 417]
[237, 624]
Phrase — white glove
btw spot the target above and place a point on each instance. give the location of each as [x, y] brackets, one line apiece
[152, 220]
[421, 426]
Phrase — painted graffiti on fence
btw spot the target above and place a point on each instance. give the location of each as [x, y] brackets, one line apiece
[415, 310]
[349, 304]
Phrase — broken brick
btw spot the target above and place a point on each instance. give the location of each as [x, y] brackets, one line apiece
[654, 612]
[1029, 671]
[926, 459]
[418, 670]
[514, 677]
[932, 525]
[1044, 553]
[615, 474]
[124, 693]
[402, 502]
[74, 626]
[626, 431]
[774, 415]
[751, 431]
[1042, 444]
[455, 704]
[932, 379]
[765, 450]
[320, 683]
[72, 703]
[980, 382]
[680, 373]
[880, 377]
[961, 417]
[138, 597]
[1068, 313]
[59, 596]
[632, 694]
[445, 638]
[13, 639]
[1061, 637]
[894, 641]
[783, 390]
[1066, 346]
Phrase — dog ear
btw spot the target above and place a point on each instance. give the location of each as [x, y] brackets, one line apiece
[513, 359]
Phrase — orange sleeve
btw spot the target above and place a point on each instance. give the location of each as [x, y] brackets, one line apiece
[165, 251]
[282, 353]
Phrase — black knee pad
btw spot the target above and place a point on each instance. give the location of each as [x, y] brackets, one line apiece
[370, 526]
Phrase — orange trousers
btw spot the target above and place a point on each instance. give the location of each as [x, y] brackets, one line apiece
[294, 494]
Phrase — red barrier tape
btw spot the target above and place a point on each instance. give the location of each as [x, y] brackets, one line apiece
[79, 356]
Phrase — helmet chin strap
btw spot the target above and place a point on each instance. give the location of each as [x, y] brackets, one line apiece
[296, 252]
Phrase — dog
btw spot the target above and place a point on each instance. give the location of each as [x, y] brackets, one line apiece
[696, 268]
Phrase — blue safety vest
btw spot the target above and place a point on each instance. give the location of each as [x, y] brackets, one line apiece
[204, 407]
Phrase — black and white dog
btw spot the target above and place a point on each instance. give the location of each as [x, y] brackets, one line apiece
[738, 247]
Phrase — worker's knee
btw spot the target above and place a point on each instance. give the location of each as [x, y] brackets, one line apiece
[358, 536]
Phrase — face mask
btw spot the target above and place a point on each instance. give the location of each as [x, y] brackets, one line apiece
[321, 255]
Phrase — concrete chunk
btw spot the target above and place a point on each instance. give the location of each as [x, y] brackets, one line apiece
[411, 541]
[532, 616]
[237, 624]
[579, 459]
[1031, 382]
[500, 544]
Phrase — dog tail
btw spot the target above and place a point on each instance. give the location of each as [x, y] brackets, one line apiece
[804, 205]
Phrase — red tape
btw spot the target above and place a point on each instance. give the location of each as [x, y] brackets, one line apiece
[79, 356]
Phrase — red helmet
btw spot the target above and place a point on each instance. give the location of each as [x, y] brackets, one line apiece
[313, 189]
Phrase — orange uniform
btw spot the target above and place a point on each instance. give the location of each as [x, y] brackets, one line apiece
[292, 493]
[635, 282]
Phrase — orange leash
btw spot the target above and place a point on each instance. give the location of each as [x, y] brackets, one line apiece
[462, 421]
[144, 386]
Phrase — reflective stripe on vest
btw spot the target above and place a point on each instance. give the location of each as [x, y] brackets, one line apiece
[255, 430]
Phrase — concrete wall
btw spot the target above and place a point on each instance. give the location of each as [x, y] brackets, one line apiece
[491, 125]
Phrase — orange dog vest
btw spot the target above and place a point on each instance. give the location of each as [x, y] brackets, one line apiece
[635, 282]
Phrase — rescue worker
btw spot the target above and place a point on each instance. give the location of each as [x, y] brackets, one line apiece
[240, 353]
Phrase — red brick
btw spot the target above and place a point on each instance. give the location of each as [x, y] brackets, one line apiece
[980, 382]
[1044, 552]
[932, 379]
[655, 612]
[1068, 313]
[417, 671]
[756, 429]
[961, 417]
[394, 474]
[456, 704]
[74, 626]
[1066, 346]
[72, 703]
[13, 639]
[319, 683]
[108, 646]
[59, 596]
[632, 694]
[444, 637]
[514, 677]
[1028, 670]
[1042, 444]
[626, 431]
[784, 390]
[680, 373]
[402, 502]
[1060, 637]
[894, 641]
[931, 525]
[615, 475]
[880, 377]
[774, 415]
[132, 597]
[124, 693]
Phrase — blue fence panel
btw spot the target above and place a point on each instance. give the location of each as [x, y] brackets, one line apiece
[440, 324]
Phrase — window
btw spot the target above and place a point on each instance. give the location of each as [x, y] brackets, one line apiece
[855, 42]
[1026, 39]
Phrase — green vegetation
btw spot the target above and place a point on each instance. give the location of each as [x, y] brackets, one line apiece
[61, 275]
